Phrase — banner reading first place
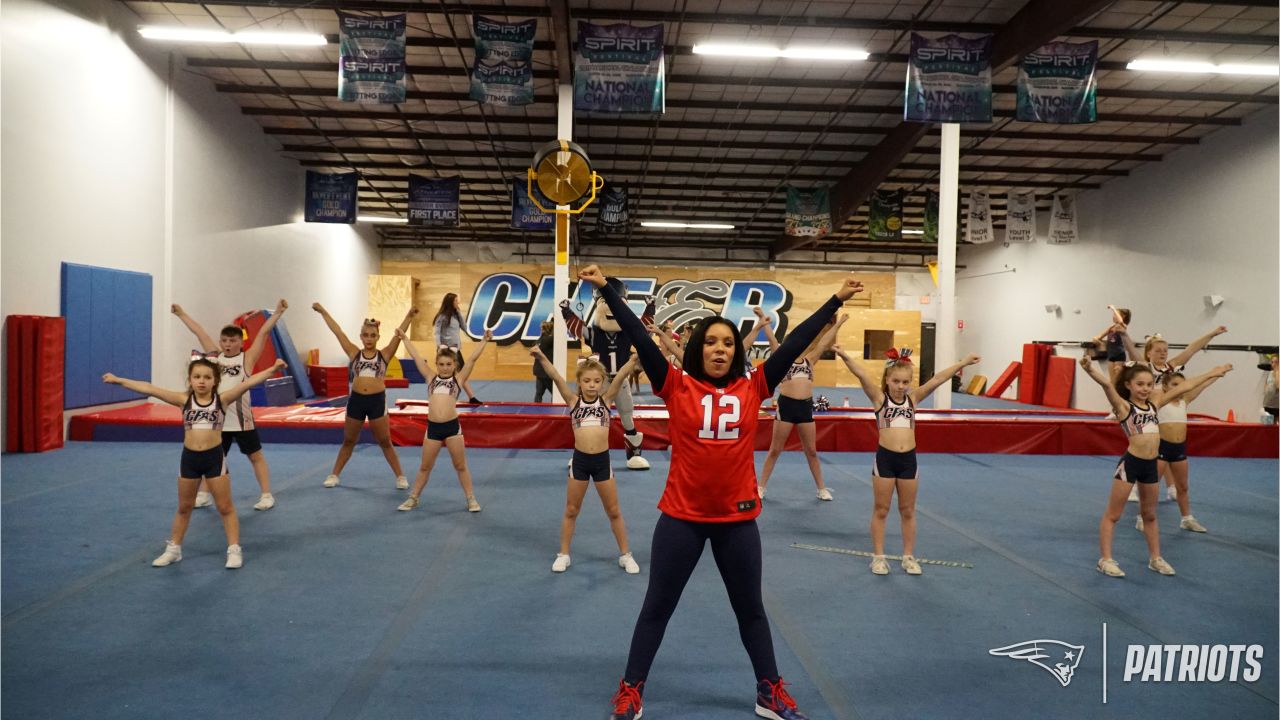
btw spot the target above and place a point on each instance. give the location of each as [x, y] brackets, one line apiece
[371, 58]
[619, 69]
[433, 203]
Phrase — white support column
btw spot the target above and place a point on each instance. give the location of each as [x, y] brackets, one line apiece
[564, 131]
[944, 353]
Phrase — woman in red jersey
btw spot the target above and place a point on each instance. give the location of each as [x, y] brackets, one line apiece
[713, 402]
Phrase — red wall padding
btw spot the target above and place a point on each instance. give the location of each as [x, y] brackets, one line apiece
[1058, 381]
[1035, 363]
[1006, 379]
[33, 388]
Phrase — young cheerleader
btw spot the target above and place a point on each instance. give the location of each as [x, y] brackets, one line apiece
[795, 405]
[235, 364]
[447, 326]
[589, 413]
[368, 400]
[1132, 401]
[203, 414]
[1172, 458]
[713, 402]
[443, 429]
[895, 465]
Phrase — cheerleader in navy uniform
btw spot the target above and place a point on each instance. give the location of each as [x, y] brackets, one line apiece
[203, 415]
[368, 399]
[1133, 402]
[443, 431]
[589, 413]
[895, 464]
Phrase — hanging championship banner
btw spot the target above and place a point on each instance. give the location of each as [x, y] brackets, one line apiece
[614, 214]
[1020, 218]
[1062, 223]
[808, 212]
[524, 214]
[371, 58]
[503, 70]
[331, 198]
[433, 203]
[949, 79]
[885, 217]
[978, 228]
[931, 215]
[619, 69]
[1059, 84]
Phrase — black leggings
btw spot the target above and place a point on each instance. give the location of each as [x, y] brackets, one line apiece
[677, 546]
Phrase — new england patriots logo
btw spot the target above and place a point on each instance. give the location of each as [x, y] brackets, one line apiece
[1043, 652]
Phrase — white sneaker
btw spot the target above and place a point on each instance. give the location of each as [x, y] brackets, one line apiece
[1110, 568]
[561, 564]
[879, 566]
[266, 502]
[204, 499]
[628, 563]
[402, 483]
[1159, 565]
[824, 494]
[172, 554]
[1190, 523]
[473, 505]
[331, 481]
[910, 565]
[1171, 493]
[234, 557]
[1133, 493]
[409, 503]
[1139, 525]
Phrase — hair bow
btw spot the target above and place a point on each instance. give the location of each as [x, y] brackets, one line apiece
[1155, 337]
[202, 355]
[373, 322]
[898, 356]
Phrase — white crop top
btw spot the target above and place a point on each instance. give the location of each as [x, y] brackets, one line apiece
[895, 415]
[1174, 412]
[444, 386]
[589, 414]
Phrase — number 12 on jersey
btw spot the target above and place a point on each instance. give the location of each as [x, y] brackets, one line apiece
[717, 428]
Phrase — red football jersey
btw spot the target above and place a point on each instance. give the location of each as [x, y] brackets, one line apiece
[713, 438]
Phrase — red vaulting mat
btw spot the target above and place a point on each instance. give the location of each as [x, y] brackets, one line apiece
[34, 386]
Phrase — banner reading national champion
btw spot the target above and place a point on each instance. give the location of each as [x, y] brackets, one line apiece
[948, 79]
[1058, 83]
[433, 203]
[502, 73]
[619, 69]
[371, 58]
[331, 198]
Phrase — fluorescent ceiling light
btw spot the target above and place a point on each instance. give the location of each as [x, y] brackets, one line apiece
[912, 232]
[381, 219]
[691, 226]
[248, 37]
[1199, 67]
[767, 51]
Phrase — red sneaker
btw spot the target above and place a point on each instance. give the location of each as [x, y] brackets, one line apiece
[627, 704]
[774, 702]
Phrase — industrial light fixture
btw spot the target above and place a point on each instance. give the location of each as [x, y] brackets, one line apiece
[912, 232]
[381, 219]
[247, 37]
[1201, 67]
[768, 51]
[684, 225]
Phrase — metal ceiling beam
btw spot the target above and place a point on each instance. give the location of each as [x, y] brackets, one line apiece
[531, 120]
[695, 159]
[896, 87]
[814, 177]
[1038, 22]
[798, 21]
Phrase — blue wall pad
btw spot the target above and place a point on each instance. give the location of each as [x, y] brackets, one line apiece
[410, 369]
[286, 350]
[108, 316]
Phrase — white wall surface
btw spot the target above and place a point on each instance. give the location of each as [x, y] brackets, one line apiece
[99, 147]
[1203, 221]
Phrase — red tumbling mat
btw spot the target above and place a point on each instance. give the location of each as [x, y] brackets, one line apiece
[252, 322]
[1058, 381]
[34, 386]
[1035, 363]
[1006, 379]
[328, 380]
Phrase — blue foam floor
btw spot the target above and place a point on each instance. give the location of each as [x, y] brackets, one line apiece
[347, 609]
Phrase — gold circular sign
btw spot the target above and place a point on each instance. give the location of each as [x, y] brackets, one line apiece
[563, 172]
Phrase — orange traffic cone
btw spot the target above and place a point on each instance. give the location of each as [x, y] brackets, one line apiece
[1231, 415]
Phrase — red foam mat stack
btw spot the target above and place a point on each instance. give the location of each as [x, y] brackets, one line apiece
[33, 386]
[328, 380]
